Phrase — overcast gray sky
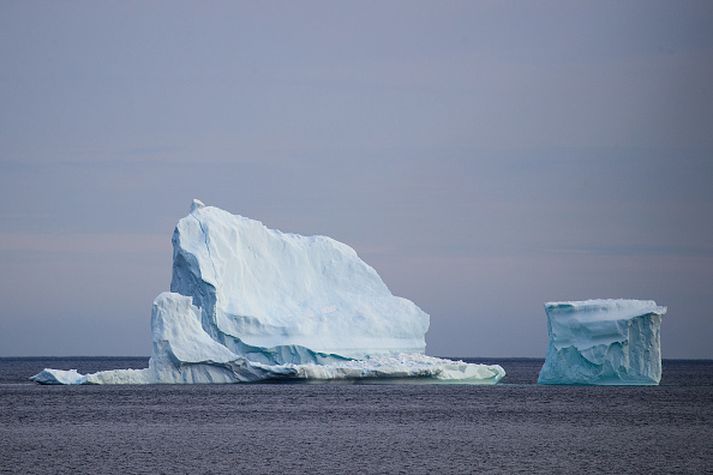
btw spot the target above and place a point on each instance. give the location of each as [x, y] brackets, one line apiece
[484, 157]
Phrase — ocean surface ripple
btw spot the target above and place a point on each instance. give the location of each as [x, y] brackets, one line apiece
[513, 427]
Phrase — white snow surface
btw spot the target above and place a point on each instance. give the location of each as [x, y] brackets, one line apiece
[603, 341]
[249, 303]
[270, 288]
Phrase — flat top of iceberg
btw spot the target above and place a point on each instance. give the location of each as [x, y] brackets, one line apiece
[605, 309]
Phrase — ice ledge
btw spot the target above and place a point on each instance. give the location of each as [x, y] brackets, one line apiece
[58, 376]
[72, 377]
[240, 370]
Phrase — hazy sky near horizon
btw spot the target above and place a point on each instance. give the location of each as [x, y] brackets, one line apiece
[484, 157]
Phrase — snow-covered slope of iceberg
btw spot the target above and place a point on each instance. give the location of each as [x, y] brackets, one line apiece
[612, 341]
[249, 303]
[259, 287]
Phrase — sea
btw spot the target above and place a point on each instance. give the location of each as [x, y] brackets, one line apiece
[516, 426]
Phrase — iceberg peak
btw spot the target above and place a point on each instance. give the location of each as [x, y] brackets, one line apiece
[196, 204]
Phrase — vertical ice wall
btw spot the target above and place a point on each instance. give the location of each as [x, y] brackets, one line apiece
[613, 341]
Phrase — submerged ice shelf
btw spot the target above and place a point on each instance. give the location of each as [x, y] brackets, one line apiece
[604, 342]
[248, 303]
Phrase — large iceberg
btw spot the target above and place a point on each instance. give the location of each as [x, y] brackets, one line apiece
[248, 303]
[606, 342]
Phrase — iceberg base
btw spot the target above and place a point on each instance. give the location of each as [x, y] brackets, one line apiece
[392, 368]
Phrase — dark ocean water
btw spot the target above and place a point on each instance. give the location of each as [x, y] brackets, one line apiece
[514, 427]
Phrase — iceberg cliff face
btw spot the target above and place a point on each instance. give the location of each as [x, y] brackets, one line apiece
[248, 303]
[603, 342]
[260, 288]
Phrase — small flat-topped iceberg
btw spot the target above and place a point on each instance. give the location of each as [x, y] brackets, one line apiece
[248, 303]
[604, 342]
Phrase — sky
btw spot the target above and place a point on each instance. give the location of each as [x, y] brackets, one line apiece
[484, 157]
